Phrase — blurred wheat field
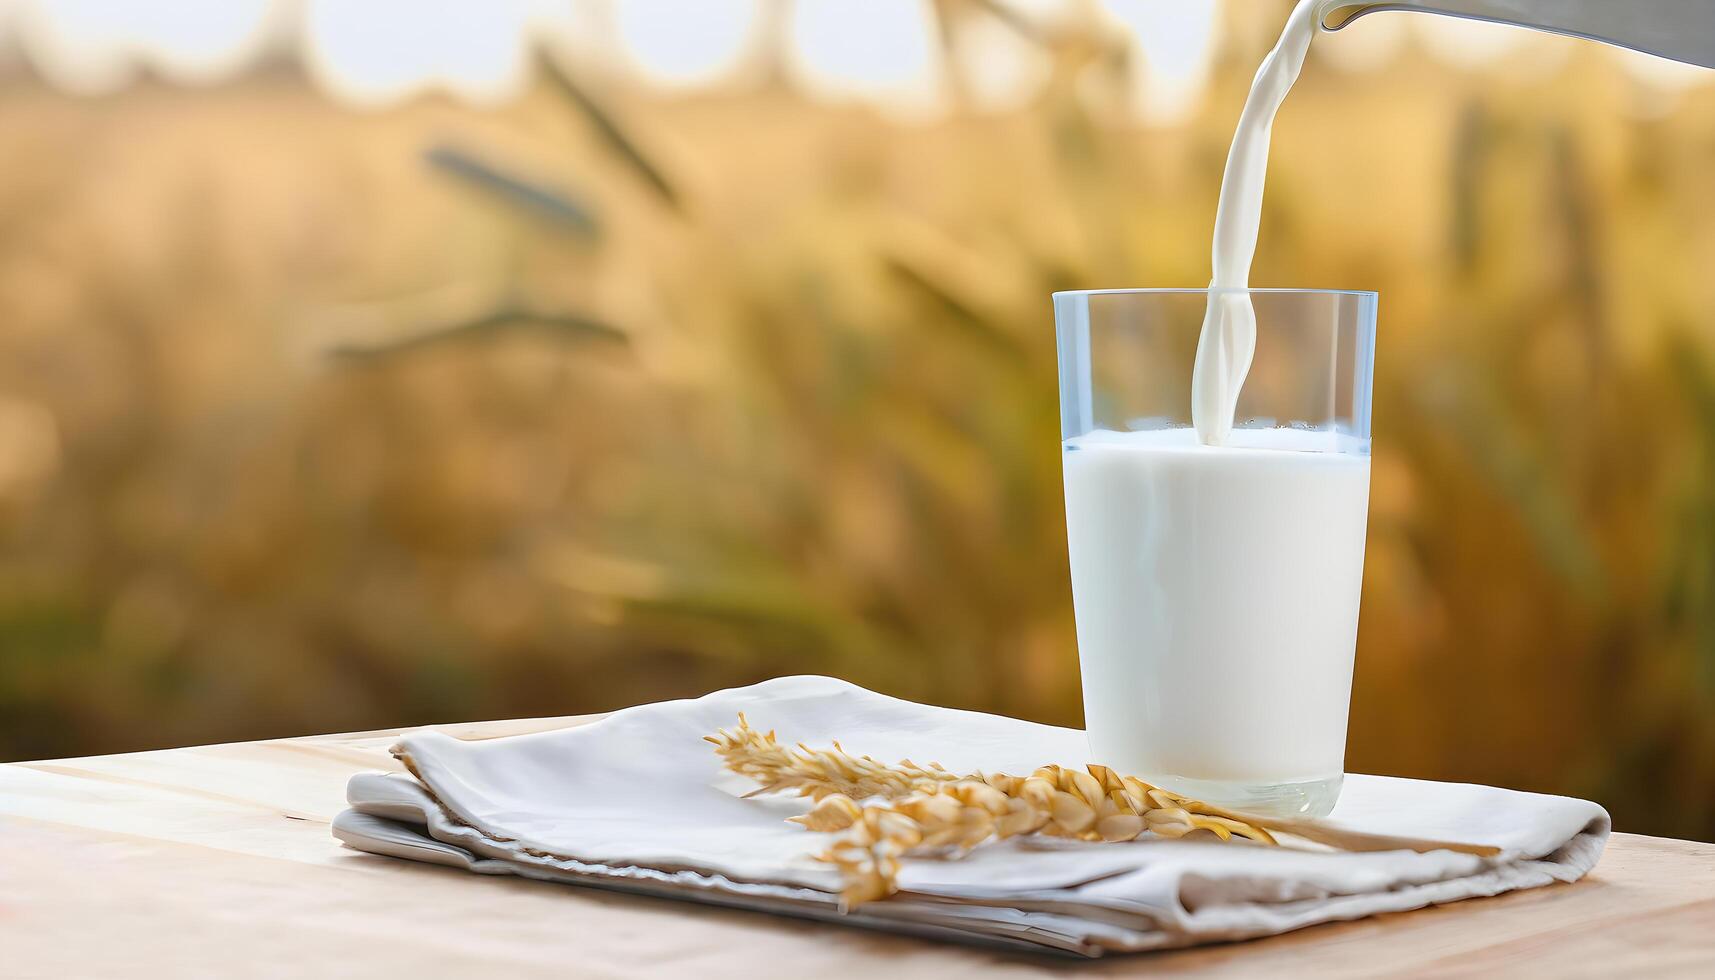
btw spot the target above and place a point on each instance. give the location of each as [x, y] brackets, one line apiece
[314, 420]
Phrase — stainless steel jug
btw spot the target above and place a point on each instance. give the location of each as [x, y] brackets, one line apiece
[1683, 30]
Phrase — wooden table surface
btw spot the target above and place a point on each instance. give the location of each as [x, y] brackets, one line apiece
[217, 861]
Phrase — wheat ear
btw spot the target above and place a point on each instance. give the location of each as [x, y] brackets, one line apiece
[927, 808]
[816, 773]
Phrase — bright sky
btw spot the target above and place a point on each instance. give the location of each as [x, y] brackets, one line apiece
[888, 53]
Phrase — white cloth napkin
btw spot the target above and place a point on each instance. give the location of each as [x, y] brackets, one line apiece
[637, 801]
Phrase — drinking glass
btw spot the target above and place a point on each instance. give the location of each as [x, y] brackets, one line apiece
[1216, 588]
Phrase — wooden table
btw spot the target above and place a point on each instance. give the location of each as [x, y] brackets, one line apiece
[217, 860]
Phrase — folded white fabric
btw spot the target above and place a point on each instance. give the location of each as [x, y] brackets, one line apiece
[638, 801]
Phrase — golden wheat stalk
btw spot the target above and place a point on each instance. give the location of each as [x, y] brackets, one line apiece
[907, 807]
[816, 773]
[930, 808]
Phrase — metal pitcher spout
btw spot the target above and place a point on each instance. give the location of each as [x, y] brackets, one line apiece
[1683, 30]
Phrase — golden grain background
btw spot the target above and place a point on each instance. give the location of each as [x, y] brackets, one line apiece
[314, 418]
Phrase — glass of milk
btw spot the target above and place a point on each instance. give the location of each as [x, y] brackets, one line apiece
[1216, 586]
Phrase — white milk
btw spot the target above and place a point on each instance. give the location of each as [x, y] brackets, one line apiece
[1228, 340]
[1216, 595]
[1216, 572]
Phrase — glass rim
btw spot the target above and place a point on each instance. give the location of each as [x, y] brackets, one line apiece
[1188, 290]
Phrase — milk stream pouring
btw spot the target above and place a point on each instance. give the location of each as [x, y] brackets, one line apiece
[1683, 30]
[1228, 338]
